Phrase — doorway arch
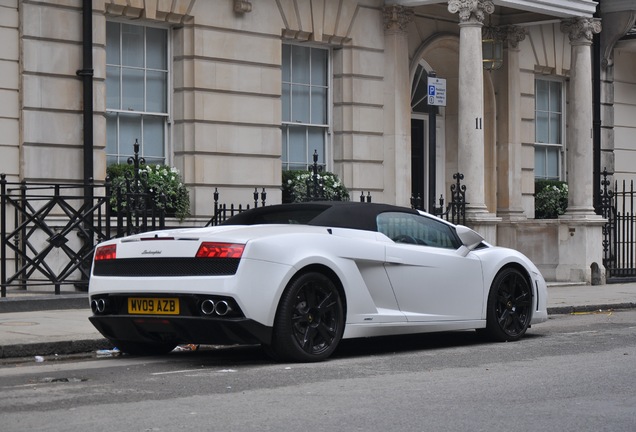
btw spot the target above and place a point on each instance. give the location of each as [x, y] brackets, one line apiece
[440, 54]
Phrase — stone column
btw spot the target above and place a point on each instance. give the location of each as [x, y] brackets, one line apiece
[397, 107]
[470, 153]
[509, 193]
[579, 138]
[470, 146]
[580, 229]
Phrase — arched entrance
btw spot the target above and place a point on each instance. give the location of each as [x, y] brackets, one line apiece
[441, 55]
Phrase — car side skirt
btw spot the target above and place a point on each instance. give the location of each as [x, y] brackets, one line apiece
[387, 329]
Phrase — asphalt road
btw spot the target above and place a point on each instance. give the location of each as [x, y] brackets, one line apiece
[573, 373]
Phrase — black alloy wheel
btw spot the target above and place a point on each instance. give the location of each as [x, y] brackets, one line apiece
[310, 320]
[509, 306]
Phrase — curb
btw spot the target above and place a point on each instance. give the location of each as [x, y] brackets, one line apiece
[566, 310]
[85, 346]
[41, 303]
[54, 348]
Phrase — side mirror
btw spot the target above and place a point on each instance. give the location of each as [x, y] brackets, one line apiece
[471, 239]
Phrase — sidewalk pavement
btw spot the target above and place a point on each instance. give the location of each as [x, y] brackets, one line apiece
[44, 326]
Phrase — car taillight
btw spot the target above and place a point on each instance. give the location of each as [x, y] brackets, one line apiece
[220, 250]
[107, 252]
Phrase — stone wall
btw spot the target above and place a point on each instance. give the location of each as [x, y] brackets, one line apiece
[9, 90]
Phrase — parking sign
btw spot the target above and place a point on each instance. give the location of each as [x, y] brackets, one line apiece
[436, 91]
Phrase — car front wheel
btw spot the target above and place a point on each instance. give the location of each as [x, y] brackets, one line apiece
[509, 306]
[310, 319]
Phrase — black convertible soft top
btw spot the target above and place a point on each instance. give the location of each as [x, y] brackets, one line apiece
[337, 214]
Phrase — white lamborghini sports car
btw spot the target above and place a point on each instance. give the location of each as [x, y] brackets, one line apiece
[297, 278]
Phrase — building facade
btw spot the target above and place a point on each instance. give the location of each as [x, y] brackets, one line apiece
[233, 92]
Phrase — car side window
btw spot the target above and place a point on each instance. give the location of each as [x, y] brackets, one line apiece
[417, 229]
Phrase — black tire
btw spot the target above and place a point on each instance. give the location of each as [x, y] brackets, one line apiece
[509, 306]
[143, 348]
[309, 321]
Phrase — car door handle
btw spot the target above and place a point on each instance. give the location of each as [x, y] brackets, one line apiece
[394, 260]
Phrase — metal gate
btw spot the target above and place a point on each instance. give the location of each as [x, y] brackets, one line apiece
[619, 233]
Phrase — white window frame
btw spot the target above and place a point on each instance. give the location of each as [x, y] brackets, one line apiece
[327, 157]
[562, 146]
[125, 150]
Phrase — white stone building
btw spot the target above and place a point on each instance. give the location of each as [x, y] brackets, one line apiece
[232, 92]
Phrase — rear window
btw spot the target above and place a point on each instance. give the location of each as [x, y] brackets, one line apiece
[302, 215]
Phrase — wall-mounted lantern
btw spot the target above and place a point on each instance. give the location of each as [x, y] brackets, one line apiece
[492, 48]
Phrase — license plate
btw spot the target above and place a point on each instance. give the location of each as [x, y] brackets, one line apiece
[153, 306]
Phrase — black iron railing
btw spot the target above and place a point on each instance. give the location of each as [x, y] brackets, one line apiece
[619, 232]
[48, 232]
[455, 210]
[41, 223]
[224, 211]
[134, 203]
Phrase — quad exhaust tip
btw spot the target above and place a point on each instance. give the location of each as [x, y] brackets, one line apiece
[99, 306]
[220, 308]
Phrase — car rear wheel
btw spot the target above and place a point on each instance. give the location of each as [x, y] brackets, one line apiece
[310, 320]
[142, 348]
[509, 306]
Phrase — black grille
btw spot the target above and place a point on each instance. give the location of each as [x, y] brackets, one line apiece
[166, 267]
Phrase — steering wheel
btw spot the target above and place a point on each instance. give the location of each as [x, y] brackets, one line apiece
[403, 238]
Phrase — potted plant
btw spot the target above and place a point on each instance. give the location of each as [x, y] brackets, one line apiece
[550, 199]
[298, 186]
[161, 182]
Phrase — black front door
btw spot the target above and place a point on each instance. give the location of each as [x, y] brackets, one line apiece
[418, 161]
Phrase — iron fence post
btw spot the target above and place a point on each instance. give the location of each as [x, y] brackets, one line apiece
[3, 233]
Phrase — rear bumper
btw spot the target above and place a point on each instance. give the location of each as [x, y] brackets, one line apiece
[182, 329]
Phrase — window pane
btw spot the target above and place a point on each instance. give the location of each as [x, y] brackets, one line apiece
[318, 67]
[285, 145]
[132, 89]
[316, 143]
[112, 43]
[156, 97]
[300, 64]
[286, 102]
[419, 94]
[153, 137]
[132, 38]
[539, 162]
[555, 96]
[300, 103]
[318, 105]
[156, 48]
[112, 87]
[297, 145]
[541, 128]
[111, 134]
[129, 131]
[286, 63]
[555, 129]
[552, 169]
[541, 95]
